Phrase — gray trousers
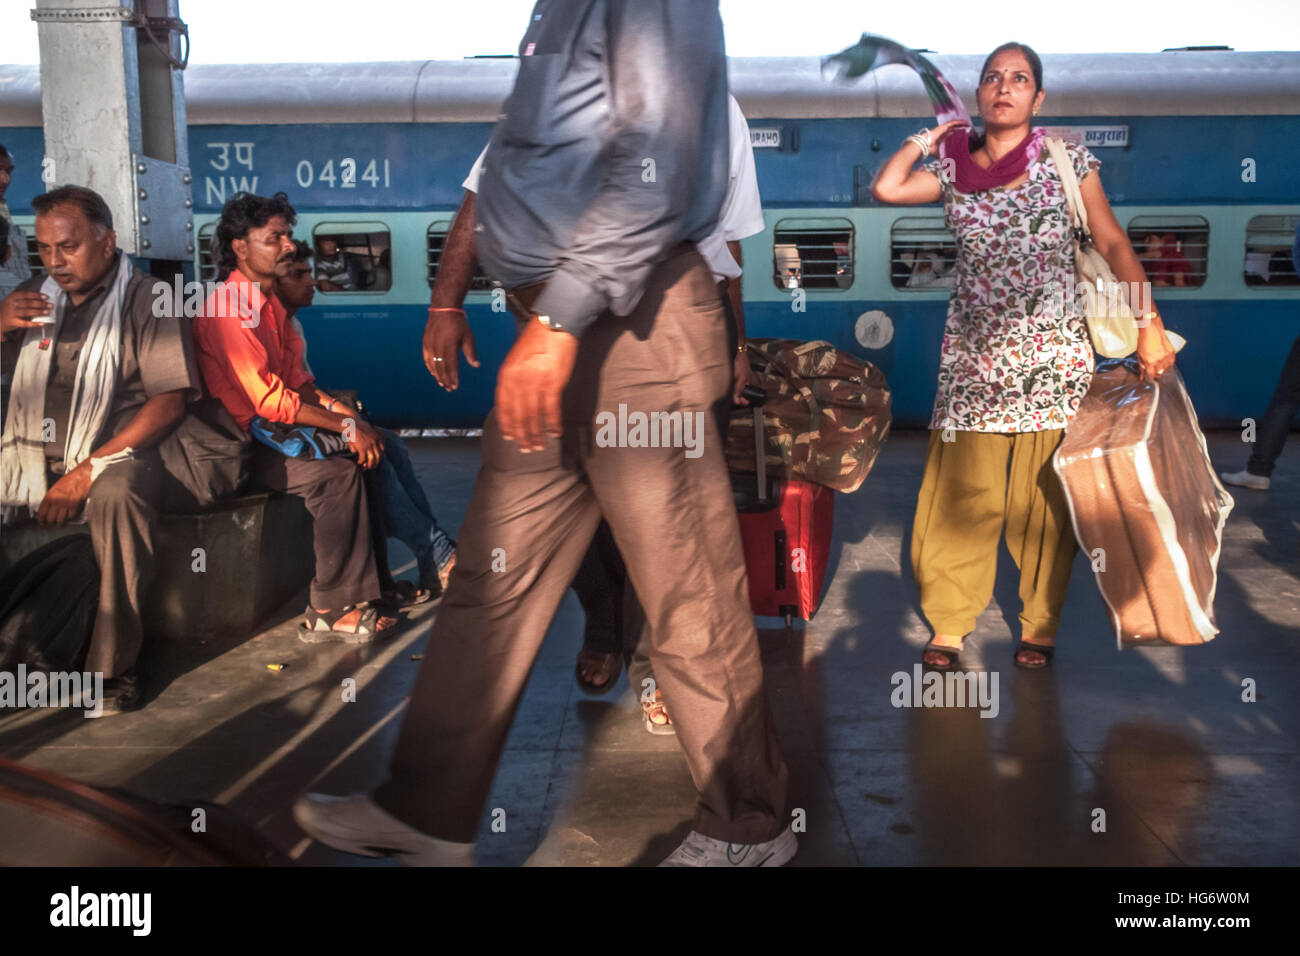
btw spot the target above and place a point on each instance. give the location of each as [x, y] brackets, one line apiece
[122, 515]
[335, 493]
[531, 520]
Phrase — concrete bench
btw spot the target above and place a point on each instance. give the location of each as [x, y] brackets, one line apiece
[256, 554]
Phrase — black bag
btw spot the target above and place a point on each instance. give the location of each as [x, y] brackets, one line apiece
[208, 453]
[48, 602]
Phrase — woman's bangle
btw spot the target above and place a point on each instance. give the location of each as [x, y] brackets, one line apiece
[922, 140]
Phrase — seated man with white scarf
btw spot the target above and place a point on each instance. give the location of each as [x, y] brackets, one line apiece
[100, 380]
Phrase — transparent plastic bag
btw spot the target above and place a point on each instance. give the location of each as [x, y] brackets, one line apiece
[1147, 507]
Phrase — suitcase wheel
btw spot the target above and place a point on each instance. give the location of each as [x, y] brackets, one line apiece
[787, 612]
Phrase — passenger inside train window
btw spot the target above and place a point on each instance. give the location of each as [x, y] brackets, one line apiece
[813, 254]
[354, 262]
[929, 268]
[333, 271]
[1172, 249]
[1268, 260]
[1162, 256]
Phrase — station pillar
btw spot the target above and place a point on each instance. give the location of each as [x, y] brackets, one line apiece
[113, 106]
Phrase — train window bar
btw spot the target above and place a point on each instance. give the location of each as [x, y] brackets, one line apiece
[33, 257]
[812, 254]
[360, 260]
[1173, 249]
[922, 253]
[207, 267]
[436, 239]
[1268, 262]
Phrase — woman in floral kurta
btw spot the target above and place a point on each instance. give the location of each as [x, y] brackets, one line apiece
[1016, 360]
[1016, 356]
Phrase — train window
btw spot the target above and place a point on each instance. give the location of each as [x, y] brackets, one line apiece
[922, 253]
[812, 254]
[1269, 241]
[33, 257]
[1173, 249]
[353, 257]
[207, 268]
[436, 239]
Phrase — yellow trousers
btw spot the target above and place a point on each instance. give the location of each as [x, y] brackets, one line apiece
[968, 494]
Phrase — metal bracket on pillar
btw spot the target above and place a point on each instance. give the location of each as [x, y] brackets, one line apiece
[86, 15]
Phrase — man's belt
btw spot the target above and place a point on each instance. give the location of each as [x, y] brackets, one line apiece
[521, 298]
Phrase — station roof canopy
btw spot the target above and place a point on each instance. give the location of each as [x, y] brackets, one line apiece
[1174, 82]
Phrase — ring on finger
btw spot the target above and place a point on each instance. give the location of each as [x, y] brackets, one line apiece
[438, 358]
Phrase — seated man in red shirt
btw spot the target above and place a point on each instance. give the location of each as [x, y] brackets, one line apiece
[251, 358]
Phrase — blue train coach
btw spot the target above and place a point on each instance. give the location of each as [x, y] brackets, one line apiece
[1197, 148]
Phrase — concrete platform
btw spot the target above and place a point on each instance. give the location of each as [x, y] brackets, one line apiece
[1158, 738]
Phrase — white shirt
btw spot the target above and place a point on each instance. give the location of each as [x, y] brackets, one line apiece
[742, 210]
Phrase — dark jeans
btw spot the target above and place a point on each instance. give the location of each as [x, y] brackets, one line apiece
[1272, 432]
[408, 516]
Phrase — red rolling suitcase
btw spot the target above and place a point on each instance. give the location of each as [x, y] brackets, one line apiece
[785, 530]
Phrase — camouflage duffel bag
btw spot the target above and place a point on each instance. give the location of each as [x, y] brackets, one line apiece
[827, 414]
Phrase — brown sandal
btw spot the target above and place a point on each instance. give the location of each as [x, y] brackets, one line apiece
[406, 594]
[320, 627]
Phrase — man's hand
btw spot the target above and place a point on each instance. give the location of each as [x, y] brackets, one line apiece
[19, 308]
[64, 500]
[531, 383]
[741, 375]
[367, 444]
[444, 333]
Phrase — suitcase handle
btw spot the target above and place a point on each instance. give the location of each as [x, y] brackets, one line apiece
[756, 398]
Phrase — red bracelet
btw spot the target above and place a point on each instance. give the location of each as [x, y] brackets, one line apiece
[434, 308]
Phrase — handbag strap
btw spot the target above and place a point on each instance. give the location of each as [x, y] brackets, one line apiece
[1070, 183]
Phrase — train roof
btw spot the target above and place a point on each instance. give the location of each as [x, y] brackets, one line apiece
[1172, 83]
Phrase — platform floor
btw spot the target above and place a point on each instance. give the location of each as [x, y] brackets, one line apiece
[1158, 738]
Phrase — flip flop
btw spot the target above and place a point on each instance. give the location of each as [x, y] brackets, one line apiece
[1047, 650]
[952, 654]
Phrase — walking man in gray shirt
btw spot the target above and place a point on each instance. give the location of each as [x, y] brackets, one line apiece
[603, 173]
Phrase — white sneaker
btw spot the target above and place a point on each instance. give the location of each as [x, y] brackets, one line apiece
[357, 824]
[700, 850]
[1245, 479]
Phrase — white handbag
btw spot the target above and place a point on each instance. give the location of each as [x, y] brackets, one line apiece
[1111, 324]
